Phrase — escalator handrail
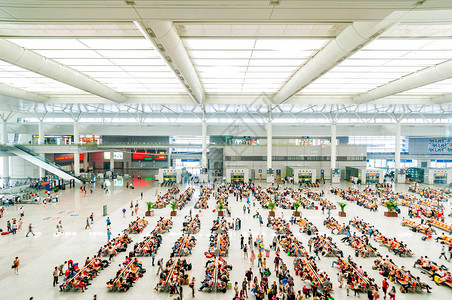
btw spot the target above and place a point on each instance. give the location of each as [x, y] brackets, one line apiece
[34, 154]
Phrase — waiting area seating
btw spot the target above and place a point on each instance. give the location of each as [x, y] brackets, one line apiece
[130, 271]
[174, 273]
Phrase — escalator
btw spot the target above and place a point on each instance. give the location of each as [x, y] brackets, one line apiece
[42, 162]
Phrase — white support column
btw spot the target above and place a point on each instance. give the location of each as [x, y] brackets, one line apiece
[85, 161]
[76, 133]
[41, 132]
[204, 163]
[112, 162]
[333, 146]
[4, 132]
[77, 164]
[270, 176]
[399, 178]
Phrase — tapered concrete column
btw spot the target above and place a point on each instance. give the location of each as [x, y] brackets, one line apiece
[398, 145]
[41, 133]
[76, 133]
[112, 162]
[77, 164]
[269, 145]
[204, 163]
[4, 132]
[333, 146]
[270, 176]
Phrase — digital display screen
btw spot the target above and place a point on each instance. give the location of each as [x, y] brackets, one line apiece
[148, 156]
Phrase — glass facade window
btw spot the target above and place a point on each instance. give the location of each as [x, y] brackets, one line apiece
[379, 144]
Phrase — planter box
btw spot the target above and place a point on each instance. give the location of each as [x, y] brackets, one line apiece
[271, 213]
[342, 214]
[391, 214]
[147, 214]
[296, 214]
[220, 213]
[173, 213]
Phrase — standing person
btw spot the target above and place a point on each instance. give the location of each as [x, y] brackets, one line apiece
[253, 257]
[443, 252]
[16, 264]
[241, 241]
[20, 224]
[192, 286]
[392, 293]
[160, 264]
[124, 212]
[108, 234]
[153, 257]
[384, 287]
[136, 209]
[14, 227]
[60, 226]
[245, 251]
[60, 268]
[21, 210]
[92, 217]
[141, 195]
[88, 225]
[55, 276]
[108, 222]
[30, 230]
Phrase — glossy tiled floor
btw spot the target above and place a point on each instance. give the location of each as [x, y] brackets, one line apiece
[41, 253]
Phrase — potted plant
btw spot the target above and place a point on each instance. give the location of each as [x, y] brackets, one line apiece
[56, 189]
[342, 212]
[271, 207]
[296, 205]
[173, 208]
[150, 206]
[391, 205]
[220, 208]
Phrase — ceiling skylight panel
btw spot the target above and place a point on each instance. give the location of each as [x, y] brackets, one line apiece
[363, 62]
[84, 62]
[98, 68]
[220, 44]
[128, 53]
[277, 62]
[200, 54]
[221, 62]
[429, 54]
[439, 44]
[376, 54]
[137, 62]
[397, 44]
[283, 69]
[288, 53]
[35, 44]
[298, 44]
[53, 54]
[114, 44]
[414, 62]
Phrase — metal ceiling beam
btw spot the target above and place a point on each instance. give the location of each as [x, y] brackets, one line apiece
[411, 81]
[32, 61]
[166, 41]
[346, 43]
[443, 99]
[19, 93]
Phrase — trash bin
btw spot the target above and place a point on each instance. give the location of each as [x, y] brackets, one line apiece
[267, 252]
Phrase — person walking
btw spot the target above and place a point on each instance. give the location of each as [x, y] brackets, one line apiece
[124, 212]
[30, 230]
[61, 267]
[108, 234]
[253, 257]
[245, 251]
[92, 217]
[141, 195]
[108, 223]
[160, 264]
[443, 252]
[20, 223]
[16, 264]
[384, 287]
[88, 224]
[153, 257]
[192, 286]
[55, 276]
[392, 293]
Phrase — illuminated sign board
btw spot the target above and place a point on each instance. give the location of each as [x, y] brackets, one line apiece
[148, 156]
